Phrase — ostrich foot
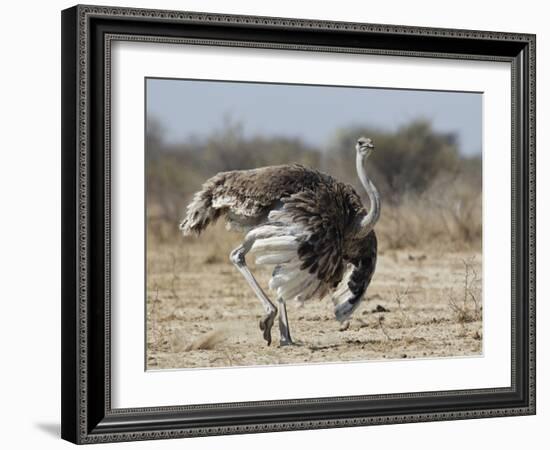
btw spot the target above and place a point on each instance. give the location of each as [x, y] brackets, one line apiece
[289, 342]
[266, 323]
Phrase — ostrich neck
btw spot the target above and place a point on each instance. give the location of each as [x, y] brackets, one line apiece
[368, 221]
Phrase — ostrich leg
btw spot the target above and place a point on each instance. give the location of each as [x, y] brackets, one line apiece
[238, 258]
[283, 324]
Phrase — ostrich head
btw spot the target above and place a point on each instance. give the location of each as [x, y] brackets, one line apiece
[364, 147]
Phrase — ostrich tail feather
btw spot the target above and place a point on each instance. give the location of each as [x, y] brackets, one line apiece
[200, 213]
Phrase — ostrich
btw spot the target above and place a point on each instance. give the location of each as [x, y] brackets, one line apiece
[312, 228]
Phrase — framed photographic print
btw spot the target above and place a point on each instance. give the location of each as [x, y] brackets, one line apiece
[277, 224]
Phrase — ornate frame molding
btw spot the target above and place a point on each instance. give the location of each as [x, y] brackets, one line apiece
[84, 421]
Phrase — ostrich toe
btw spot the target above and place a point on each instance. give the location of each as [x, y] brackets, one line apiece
[266, 323]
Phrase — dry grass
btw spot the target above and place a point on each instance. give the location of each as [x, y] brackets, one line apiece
[207, 342]
[203, 314]
[447, 215]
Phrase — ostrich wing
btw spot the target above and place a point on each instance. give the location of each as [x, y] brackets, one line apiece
[351, 290]
[250, 192]
[324, 216]
[315, 225]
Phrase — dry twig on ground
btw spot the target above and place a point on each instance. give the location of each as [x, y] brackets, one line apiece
[381, 325]
[466, 305]
[400, 296]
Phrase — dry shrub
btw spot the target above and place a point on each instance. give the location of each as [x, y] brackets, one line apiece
[162, 226]
[401, 226]
[446, 214]
[466, 304]
[217, 253]
[220, 243]
[459, 204]
[430, 191]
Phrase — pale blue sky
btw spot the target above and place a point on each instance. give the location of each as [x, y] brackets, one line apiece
[187, 108]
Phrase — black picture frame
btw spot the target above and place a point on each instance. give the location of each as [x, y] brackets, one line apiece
[87, 416]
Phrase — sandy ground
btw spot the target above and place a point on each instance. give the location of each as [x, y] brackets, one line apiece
[422, 303]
